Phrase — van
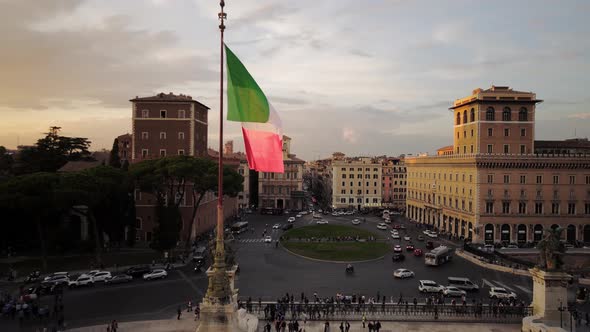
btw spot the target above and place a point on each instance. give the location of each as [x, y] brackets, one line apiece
[463, 283]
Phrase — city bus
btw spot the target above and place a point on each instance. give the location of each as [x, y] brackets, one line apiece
[438, 256]
[239, 227]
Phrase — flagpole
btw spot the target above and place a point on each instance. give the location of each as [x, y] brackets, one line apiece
[218, 290]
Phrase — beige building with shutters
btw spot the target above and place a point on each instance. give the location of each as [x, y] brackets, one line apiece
[356, 183]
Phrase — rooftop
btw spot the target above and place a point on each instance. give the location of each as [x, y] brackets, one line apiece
[168, 97]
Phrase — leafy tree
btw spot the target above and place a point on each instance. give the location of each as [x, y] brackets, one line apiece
[6, 162]
[114, 160]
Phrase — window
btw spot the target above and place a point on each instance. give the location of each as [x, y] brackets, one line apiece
[489, 207]
[181, 135]
[471, 148]
[344, 176]
[539, 179]
[571, 208]
[343, 200]
[490, 178]
[522, 149]
[181, 114]
[506, 148]
[587, 179]
[162, 135]
[490, 114]
[506, 132]
[522, 208]
[162, 152]
[471, 132]
[490, 148]
[137, 195]
[343, 184]
[144, 135]
[538, 208]
[343, 191]
[555, 179]
[464, 149]
[145, 113]
[464, 133]
[163, 114]
[181, 152]
[472, 118]
[572, 179]
[464, 116]
[522, 114]
[458, 118]
[490, 132]
[470, 206]
[138, 223]
[506, 114]
[144, 153]
[505, 207]
[522, 132]
[554, 208]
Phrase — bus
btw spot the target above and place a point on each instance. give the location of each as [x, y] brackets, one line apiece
[438, 256]
[239, 227]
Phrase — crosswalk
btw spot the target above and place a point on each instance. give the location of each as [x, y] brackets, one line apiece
[512, 288]
[250, 240]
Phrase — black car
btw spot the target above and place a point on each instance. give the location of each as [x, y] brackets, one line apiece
[287, 226]
[397, 257]
[138, 271]
[120, 278]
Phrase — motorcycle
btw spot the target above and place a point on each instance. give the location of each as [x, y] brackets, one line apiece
[33, 277]
[349, 269]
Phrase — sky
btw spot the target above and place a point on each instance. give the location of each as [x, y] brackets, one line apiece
[373, 77]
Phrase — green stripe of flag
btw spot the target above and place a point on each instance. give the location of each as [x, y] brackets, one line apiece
[245, 100]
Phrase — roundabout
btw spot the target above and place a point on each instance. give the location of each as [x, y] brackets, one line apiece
[334, 243]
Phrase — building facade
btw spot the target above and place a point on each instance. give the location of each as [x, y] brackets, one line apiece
[494, 188]
[356, 183]
[283, 190]
[394, 184]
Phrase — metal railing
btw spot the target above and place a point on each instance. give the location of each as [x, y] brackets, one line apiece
[477, 313]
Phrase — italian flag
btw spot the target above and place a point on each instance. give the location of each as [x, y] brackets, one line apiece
[261, 125]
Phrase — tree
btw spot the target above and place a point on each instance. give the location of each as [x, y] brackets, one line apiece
[114, 160]
[6, 162]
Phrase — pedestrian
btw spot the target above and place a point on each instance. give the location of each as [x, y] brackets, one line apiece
[370, 326]
[326, 326]
[346, 326]
[178, 312]
[197, 313]
[341, 326]
[189, 306]
[377, 326]
[364, 320]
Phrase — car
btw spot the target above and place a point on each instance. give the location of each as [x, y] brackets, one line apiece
[418, 252]
[402, 227]
[387, 221]
[291, 219]
[138, 271]
[321, 222]
[303, 213]
[511, 246]
[349, 213]
[382, 226]
[407, 238]
[320, 210]
[452, 291]
[334, 214]
[56, 280]
[155, 274]
[410, 247]
[403, 273]
[56, 274]
[397, 248]
[395, 236]
[287, 226]
[398, 257]
[429, 286]
[276, 226]
[83, 280]
[433, 235]
[426, 232]
[101, 276]
[92, 273]
[119, 278]
[501, 293]
[356, 221]
[397, 226]
[420, 238]
[429, 245]
[267, 239]
[299, 215]
[488, 248]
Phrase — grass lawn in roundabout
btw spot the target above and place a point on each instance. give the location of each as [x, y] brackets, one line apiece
[321, 242]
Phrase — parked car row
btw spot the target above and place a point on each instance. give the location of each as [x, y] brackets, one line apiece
[458, 287]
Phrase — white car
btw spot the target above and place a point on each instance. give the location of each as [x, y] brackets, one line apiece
[267, 239]
[321, 222]
[303, 213]
[433, 235]
[403, 273]
[395, 236]
[299, 215]
[429, 286]
[387, 221]
[291, 219]
[451, 291]
[407, 238]
[397, 248]
[501, 293]
[356, 221]
[55, 275]
[276, 226]
[426, 232]
[155, 274]
[101, 276]
[382, 226]
[83, 280]
[334, 214]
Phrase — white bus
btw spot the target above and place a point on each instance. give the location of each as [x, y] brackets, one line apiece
[438, 256]
[239, 227]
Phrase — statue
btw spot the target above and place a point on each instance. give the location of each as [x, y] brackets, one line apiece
[551, 249]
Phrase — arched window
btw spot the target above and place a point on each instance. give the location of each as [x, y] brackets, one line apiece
[464, 116]
[522, 114]
[490, 114]
[472, 115]
[506, 114]
[458, 118]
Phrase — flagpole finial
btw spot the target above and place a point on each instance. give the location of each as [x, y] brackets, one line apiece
[222, 16]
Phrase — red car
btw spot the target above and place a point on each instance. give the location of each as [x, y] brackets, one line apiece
[396, 226]
[410, 247]
[417, 252]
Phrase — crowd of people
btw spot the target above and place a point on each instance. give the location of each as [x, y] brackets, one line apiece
[18, 307]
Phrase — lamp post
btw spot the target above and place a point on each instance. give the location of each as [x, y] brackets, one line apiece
[561, 310]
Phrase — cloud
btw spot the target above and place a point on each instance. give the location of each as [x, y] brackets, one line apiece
[582, 116]
[349, 135]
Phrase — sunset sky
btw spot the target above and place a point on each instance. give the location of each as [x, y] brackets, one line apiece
[365, 77]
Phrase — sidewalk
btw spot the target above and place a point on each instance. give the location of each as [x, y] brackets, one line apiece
[185, 324]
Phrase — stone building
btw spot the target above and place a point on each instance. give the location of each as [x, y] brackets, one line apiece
[394, 184]
[356, 183]
[494, 188]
